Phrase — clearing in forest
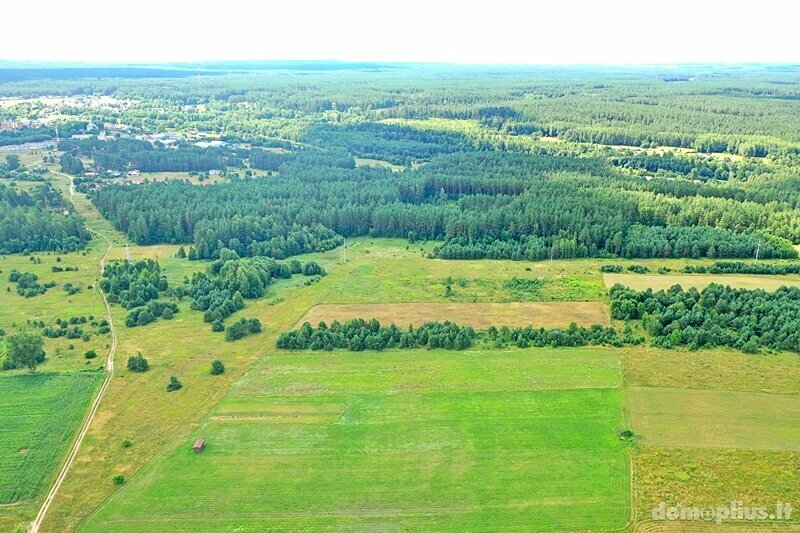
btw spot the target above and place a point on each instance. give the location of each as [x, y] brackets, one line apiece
[477, 315]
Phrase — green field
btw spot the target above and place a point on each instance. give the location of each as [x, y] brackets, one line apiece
[442, 440]
[39, 416]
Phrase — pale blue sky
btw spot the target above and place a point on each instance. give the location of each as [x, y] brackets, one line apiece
[493, 31]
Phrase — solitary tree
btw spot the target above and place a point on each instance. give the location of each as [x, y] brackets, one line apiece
[25, 350]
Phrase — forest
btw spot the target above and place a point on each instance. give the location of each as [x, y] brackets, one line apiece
[39, 220]
[480, 204]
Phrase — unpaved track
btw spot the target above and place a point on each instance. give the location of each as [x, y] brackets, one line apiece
[36, 524]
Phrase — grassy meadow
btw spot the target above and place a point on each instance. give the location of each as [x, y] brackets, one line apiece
[365, 441]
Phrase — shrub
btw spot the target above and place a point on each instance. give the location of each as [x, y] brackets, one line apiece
[127, 443]
[138, 363]
[174, 384]
[217, 367]
[119, 479]
[91, 354]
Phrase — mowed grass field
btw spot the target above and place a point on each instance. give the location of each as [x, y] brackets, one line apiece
[477, 315]
[684, 418]
[656, 282]
[39, 416]
[398, 440]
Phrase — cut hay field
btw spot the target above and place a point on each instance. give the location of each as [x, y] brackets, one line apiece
[685, 418]
[39, 415]
[656, 282]
[397, 440]
[477, 315]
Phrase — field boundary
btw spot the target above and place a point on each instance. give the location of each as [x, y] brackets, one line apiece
[109, 366]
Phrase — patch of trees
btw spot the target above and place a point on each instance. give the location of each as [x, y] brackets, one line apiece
[739, 267]
[221, 290]
[716, 316]
[693, 167]
[39, 220]
[24, 349]
[573, 335]
[133, 284]
[138, 363]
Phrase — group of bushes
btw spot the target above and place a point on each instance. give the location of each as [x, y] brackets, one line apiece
[242, 328]
[28, 284]
[149, 313]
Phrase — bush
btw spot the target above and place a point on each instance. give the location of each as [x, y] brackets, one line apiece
[119, 479]
[127, 443]
[91, 354]
[174, 384]
[138, 363]
[217, 367]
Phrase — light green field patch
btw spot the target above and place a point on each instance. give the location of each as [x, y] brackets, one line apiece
[656, 282]
[413, 441]
[365, 162]
[436, 370]
[678, 418]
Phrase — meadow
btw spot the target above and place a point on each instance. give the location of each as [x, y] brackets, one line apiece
[477, 315]
[396, 440]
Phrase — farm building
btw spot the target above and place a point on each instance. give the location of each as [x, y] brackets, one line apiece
[199, 445]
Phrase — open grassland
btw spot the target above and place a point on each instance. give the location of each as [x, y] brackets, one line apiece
[720, 369]
[714, 477]
[39, 415]
[656, 282]
[413, 440]
[16, 310]
[477, 315]
[685, 418]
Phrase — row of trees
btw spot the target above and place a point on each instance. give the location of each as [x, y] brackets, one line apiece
[360, 334]
[739, 267]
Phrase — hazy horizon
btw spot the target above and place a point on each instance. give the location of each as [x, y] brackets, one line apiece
[625, 33]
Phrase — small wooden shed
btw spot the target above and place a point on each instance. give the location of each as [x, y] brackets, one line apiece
[199, 445]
